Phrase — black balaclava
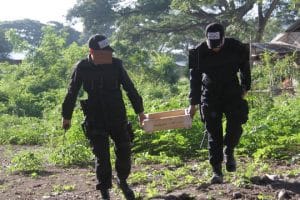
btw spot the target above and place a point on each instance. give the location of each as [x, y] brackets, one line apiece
[215, 35]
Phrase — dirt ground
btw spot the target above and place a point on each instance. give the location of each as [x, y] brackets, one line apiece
[82, 184]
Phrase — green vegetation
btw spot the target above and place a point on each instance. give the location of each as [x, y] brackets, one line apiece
[32, 92]
[63, 188]
[26, 162]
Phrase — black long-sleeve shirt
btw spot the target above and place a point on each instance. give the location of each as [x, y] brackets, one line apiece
[103, 85]
[214, 74]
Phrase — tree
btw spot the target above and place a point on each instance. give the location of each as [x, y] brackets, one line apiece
[183, 21]
[72, 34]
[17, 42]
[48, 53]
[97, 16]
[5, 46]
[265, 12]
[163, 26]
[31, 30]
[35, 85]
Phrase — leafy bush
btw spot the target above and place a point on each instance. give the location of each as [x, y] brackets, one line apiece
[71, 154]
[26, 162]
[22, 130]
[72, 148]
[274, 133]
[269, 72]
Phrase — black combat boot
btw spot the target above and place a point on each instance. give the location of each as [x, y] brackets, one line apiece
[127, 191]
[105, 194]
[229, 160]
[217, 177]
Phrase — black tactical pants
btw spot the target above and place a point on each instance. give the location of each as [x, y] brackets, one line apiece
[235, 117]
[99, 140]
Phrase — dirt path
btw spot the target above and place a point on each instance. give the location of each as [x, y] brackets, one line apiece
[78, 183]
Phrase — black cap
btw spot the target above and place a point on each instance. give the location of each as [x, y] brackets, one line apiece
[214, 33]
[99, 42]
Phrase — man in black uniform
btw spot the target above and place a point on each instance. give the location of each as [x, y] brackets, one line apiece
[215, 86]
[101, 76]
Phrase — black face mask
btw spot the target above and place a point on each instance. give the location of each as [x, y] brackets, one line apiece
[214, 39]
[212, 44]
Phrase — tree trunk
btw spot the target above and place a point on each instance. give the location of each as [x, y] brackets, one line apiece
[263, 19]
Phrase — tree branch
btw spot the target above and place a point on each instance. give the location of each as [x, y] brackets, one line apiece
[241, 11]
[173, 29]
[271, 9]
[202, 14]
[263, 19]
[224, 3]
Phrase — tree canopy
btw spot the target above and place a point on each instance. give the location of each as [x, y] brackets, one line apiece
[96, 15]
[31, 30]
[169, 24]
[5, 46]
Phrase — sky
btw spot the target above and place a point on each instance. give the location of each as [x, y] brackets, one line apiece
[40, 10]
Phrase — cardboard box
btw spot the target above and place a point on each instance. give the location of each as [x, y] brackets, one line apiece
[167, 120]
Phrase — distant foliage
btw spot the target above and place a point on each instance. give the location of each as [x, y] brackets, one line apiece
[5, 47]
[32, 87]
[270, 72]
[31, 30]
[164, 67]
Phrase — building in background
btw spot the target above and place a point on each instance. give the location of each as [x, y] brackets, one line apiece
[284, 43]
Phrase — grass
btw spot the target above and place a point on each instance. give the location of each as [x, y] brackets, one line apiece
[63, 188]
